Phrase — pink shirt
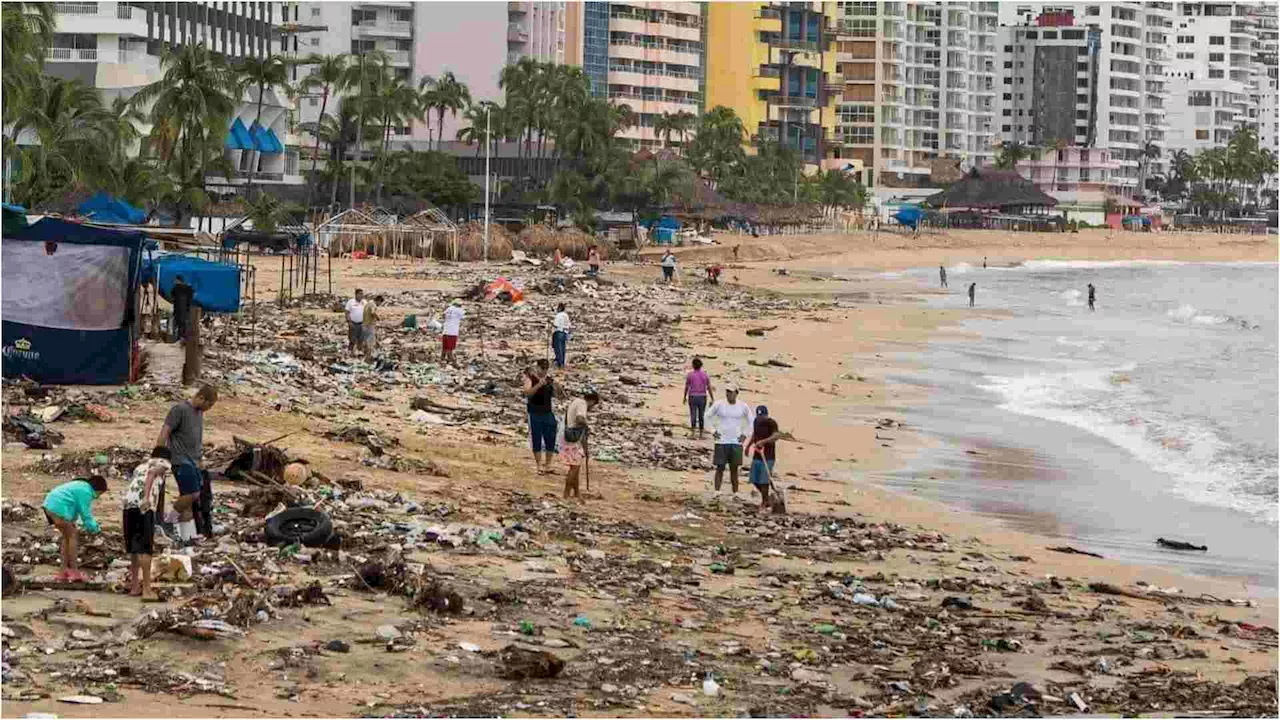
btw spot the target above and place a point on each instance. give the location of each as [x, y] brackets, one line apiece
[697, 382]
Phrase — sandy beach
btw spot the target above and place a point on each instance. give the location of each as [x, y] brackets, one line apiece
[674, 582]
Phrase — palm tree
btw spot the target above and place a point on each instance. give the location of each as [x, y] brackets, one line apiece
[395, 102]
[269, 72]
[447, 93]
[27, 34]
[72, 132]
[518, 81]
[370, 72]
[716, 149]
[194, 98]
[683, 123]
[475, 115]
[328, 75]
[1010, 154]
[663, 127]
[124, 120]
[339, 134]
[1150, 151]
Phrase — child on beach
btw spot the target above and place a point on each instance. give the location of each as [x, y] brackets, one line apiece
[63, 506]
[139, 504]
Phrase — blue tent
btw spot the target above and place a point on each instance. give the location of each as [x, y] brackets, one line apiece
[909, 215]
[238, 137]
[216, 285]
[69, 295]
[106, 209]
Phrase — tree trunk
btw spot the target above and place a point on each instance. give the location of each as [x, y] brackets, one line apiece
[191, 367]
[253, 159]
[440, 128]
[315, 152]
[355, 159]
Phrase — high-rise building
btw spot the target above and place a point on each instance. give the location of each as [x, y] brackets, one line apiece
[536, 30]
[116, 47]
[1052, 100]
[774, 64]
[1133, 88]
[647, 55]
[919, 84]
[1219, 83]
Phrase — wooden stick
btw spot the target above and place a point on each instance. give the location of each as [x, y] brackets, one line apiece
[242, 572]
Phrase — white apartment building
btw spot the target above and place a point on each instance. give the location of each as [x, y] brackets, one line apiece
[1133, 90]
[655, 62]
[919, 81]
[1220, 81]
[116, 47]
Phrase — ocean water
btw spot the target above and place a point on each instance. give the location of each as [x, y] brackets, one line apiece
[1157, 410]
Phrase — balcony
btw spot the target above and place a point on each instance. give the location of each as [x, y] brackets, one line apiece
[395, 29]
[794, 101]
[517, 34]
[93, 18]
[802, 45]
[398, 58]
[518, 7]
[56, 54]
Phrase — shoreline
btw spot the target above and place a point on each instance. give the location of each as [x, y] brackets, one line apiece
[659, 614]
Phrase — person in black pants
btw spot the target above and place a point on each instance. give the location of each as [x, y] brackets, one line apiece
[182, 295]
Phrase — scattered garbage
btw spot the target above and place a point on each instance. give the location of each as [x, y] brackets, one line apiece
[519, 663]
[1180, 545]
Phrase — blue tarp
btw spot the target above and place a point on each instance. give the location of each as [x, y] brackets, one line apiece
[68, 306]
[909, 216]
[106, 209]
[238, 137]
[216, 285]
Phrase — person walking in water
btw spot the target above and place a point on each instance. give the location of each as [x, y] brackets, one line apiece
[1092, 296]
[942, 273]
[973, 288]
[984, 262]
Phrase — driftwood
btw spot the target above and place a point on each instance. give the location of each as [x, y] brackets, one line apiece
[49, 583]
[423, 403]
[760, 331]
[1067, 549]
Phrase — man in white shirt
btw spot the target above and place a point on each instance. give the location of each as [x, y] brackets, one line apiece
[355, 322]
[560, 335]
[668, 265]
[452, 327]
[731, 425]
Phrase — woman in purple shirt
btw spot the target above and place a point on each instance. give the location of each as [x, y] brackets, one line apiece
[697, 388]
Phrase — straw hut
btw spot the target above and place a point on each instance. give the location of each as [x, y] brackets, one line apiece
[1002, 191]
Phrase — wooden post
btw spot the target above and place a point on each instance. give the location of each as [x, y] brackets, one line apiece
[280, 295]
[253, 308]
[191, 367]
[330, 254]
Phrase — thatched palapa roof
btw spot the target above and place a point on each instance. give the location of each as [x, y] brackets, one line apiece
[989, 189]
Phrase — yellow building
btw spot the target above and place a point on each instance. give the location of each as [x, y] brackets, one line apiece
[774, 64]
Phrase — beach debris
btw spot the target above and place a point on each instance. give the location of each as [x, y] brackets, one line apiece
[81, 700]
[1074, 551]
[957, 603]
[30, 431]
[303, 525]
[520, 663]
[1180, 545]
[760, 331]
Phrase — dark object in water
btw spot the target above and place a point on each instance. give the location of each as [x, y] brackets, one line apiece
[1073, 551]
[1179, 545]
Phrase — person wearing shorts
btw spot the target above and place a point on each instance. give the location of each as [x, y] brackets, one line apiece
[540, 390]
[731, 425]
[762, 449]
[183, 435]
[452, 328]
[668, 265]
[139, 505]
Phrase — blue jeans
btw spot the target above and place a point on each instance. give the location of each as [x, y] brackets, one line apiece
[542, 432]
[560, 346]
[697, 412]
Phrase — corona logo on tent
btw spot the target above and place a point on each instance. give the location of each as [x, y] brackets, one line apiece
[20, 350]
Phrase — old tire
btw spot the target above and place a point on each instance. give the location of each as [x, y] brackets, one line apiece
[298, 524]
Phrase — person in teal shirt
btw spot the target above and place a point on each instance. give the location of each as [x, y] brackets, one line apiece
[66, 504]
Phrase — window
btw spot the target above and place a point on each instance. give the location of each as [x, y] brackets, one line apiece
[1008, 81]
[1022, 81]
[315, 12]
[1082, 99]
[857, 113]
[1215, 57]
[1021, 64]
[1084, 175]
[314, 101]
[858, 135]
[1093, 10]
[1082, 51]
[1062, 156]
[1072, 34]
[1082, 114]
[1082, 82]
[402, 15]
[1022, 96]
[1186, 56]
[1008, 96]
[315, 42]
[1215, 74]
[363, 16]
[1033, 35]
[1008, 64]
[1007, 112]
[1008, 48]
[1217, 40]
[1202, 134]
[1082, 67]
[1084, 157]
[1186, 40]
[1006, 128]
[1050, 35]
